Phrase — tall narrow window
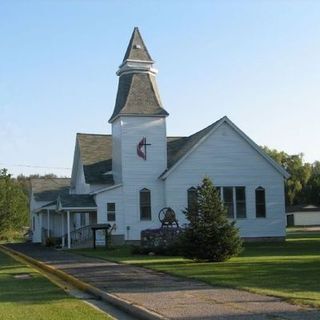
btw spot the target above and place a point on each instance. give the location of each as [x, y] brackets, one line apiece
[192, 198]
[260, 202]
[111, 211]
[241, 202]
[145, 204]
[228, 200]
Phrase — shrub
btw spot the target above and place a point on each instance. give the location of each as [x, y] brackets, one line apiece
[50, 242]
[209, 236]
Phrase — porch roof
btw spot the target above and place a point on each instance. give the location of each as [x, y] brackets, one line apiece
[76, 202]
[49, 206]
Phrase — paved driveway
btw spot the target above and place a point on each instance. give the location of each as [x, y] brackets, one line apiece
[172, 297]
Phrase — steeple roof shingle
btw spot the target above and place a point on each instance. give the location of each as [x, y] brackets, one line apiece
[136, 49]
[138, 94]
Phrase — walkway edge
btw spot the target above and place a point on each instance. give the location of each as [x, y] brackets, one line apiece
[127, 306]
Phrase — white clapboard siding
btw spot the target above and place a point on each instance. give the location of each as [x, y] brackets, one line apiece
[138, 173]
[229, 160]
[116, 151]
[307, 218]
[80, 185]
[116, 196]
[36, 236]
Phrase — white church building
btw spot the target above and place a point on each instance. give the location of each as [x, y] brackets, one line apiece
[126, 178]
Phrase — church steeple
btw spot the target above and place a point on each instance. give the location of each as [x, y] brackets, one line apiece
[136, 49]
[137, 90]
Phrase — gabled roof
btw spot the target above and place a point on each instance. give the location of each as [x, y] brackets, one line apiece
[48, 189]
[180, 148]
[96, 157]
[137, 96]
[81, 201]
[136, 49]
[97, 151]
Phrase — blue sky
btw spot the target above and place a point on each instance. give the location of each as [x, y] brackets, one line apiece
[255, 61]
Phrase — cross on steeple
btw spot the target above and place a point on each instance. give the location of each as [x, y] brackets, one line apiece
[142, 148]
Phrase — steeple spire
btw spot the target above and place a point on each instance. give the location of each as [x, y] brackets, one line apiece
[136, 49]
[137, 57]
[137, 90]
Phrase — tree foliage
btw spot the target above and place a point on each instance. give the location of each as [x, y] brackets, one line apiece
[13, 204]
[311, 192]
[210, 235]
[303, 187]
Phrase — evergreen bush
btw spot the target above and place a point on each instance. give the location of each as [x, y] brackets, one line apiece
[209, 236]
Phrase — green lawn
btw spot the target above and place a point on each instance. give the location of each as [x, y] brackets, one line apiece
[290, 270]
[37, 298]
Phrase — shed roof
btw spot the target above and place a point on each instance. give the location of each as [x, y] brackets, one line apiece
[77, 201]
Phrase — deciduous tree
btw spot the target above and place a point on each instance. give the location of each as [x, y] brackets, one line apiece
[13, 204]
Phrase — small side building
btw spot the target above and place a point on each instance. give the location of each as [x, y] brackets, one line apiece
[43, 195]
[307, 215]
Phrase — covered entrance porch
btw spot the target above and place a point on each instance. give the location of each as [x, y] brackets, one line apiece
[71, 222]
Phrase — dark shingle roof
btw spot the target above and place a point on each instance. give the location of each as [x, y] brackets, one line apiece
[77, 201]
[52, 203]
[138, 95]
[48, 189]
[136, 49]
[96, 154]
[303, 208]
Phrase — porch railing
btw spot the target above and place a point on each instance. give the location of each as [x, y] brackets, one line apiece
[81, 236]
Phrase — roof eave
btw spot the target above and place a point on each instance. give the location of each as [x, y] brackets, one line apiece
[106, 189]
[77, 208]
[113, 118]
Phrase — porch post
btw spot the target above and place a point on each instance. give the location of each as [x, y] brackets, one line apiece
[62, 230]
[40, 218]
[68, 226]
[48, 222]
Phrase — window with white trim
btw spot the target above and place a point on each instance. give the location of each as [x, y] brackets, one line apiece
[228, 201]
[111, 211]
[145, 204]
[234, 200]
[240, 202]
[260, 202]
[192, 198]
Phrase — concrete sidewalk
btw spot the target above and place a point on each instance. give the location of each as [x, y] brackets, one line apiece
[168, 296]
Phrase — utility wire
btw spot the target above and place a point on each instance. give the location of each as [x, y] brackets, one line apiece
[32, 166]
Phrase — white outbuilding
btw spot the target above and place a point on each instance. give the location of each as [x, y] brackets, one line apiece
[308, 215]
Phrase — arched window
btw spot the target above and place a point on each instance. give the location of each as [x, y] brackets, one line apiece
[192, 198]
[145, 204]
[260, 202]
